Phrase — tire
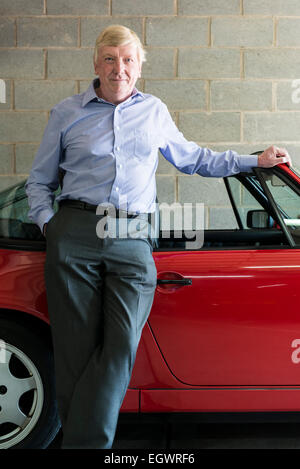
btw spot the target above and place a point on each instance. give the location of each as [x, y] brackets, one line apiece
[28, 410]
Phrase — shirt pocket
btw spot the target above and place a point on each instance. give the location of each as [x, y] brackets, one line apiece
[145, 144]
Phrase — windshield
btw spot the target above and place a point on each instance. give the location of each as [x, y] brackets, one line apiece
[287, 200]
[253, 207]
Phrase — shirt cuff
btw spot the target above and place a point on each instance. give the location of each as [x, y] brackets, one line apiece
[247, 162]
[44, 217]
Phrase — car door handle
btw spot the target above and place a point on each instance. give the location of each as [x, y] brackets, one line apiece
[165, 281]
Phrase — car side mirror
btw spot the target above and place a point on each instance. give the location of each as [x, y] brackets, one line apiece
[259, 219]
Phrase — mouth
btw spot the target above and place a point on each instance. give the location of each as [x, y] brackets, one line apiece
[118, 79]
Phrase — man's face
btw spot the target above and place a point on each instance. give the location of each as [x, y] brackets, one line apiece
[118, 69]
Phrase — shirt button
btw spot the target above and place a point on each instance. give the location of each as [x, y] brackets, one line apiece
[117, 189]
[120, 166]
[118, 148]
[118, 128]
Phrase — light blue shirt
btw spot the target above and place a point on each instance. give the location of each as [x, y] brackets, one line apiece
[109, 154]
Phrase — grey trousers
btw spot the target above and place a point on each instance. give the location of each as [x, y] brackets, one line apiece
[99, 293]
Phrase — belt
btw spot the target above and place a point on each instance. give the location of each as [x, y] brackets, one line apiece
[111, 211]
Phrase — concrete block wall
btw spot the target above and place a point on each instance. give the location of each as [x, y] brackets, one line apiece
[227, 69]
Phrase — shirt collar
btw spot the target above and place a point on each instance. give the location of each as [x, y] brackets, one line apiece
[90, 94]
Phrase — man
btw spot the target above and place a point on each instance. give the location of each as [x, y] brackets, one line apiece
[100, 289]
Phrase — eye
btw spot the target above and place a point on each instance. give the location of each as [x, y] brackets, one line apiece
[108, 59]
[128, 60]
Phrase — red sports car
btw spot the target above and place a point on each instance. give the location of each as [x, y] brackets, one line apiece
[224, 331]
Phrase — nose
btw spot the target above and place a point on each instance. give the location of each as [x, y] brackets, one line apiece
[118, 66]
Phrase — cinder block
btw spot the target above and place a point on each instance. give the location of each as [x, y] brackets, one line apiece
[165, 188]
[17, 7]
[155, 7]
[21, 63]
[288, 95]
[6, 159]
[272, 63]
[179, 94]
[22, 126]
[198, 189]
[47, 32]
[276, 127]
[210, 127]
[92, 27]
[272, 7]
[177, 31]
[241, 95]
[74, 64]
[243, 32]
[288, 32]
[83, 85]
[78, 7]
[213, 7]
[208, 63]
[42, 94]
[164, 166]
[160, 63]
[25, 154]
[8, 181]
[7, 32]
[221, 218]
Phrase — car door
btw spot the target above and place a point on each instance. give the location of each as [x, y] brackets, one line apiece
[231, 318]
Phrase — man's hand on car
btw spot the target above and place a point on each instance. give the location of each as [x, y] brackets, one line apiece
[273, 156]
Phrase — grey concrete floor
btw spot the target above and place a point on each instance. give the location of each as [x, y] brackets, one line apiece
[204, 435]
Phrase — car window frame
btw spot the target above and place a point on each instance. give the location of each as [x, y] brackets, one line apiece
[261, 193]
[264, 197]
[279, 172]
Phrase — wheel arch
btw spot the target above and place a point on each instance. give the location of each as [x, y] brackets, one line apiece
[33, 322]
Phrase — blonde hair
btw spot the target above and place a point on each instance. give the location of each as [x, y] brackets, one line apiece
[118, 35]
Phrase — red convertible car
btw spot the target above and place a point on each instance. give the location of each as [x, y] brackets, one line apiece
[224, 331]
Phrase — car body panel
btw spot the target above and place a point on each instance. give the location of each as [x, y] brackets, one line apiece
[220, 399]
[158, 383]
[235, 324]
[24, 285]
